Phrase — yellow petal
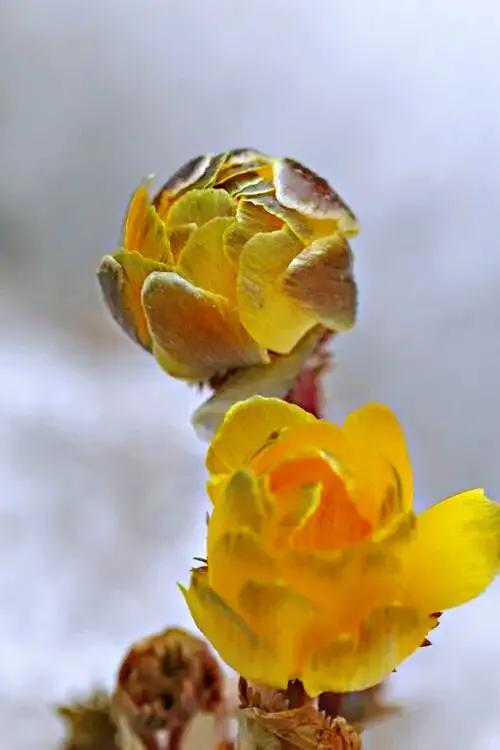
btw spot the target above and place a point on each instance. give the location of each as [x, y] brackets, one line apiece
[244, 160]
[336, 523]
[199, 206]
[251, 219]
[456, 551]
[320, 279]
[284, 618]
[144, 231]
[347, 584]
[298, 188]
[239, 507]
[373, 430]
[232, 638]
[245, 429]
[317, 435]
[203, 261]
[251, 214]
[121, 278]
[361, 660]
[235, 238]
[296, 506]
[135, 218]
[181, 370]
[274, 379]
[306, 228]
[270, 316]
[155, 244]
[197, 328]
[235, 557]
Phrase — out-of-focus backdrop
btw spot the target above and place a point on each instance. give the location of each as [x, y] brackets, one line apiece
[102, 506]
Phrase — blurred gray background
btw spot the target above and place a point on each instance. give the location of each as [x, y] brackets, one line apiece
[102, 506]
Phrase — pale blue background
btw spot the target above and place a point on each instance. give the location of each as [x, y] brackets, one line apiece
[102, 507]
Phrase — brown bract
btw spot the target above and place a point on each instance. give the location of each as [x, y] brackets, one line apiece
[285, 719]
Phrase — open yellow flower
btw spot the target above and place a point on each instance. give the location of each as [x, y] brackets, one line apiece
[238, 259]
[318, 568]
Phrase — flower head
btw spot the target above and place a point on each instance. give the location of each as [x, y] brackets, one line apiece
[318, 568]
[236, 259]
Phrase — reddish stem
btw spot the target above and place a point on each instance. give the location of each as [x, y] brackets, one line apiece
[306, 391]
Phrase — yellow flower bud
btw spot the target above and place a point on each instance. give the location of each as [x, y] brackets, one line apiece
[318, 568]
[239, 261]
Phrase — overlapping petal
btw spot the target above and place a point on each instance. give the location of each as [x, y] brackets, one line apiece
[313, 545]
[264, 234]
[197, 328]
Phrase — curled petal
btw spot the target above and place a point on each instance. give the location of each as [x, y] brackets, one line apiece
[196, 328]
[143, 230]
[243, 156]
[242, 161]
[274, 379]
[336, 522]
[306, 228]
[121, 278]
[246, 428]
[298, 188]
[197, 173]
[456, 551]
[199, 206]
[135, 218]
[270, 316]
[240, 506]
[251, 219]
[187, 175]
[203, 261]
[236, 643]
[358, 661]
[296, 506]
[320, 279]
[374, 429]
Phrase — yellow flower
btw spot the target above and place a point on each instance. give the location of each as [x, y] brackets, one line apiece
[236, 260]
[318, 568]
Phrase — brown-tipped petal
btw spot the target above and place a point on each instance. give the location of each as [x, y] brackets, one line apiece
[320, 278]
[197, 328]
[245, 155]
[306, 228]
[110, 277]
[121, 278]
[274, 380]
[198, 173]
[299, 188]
